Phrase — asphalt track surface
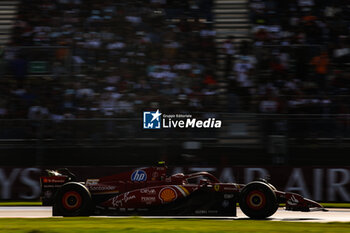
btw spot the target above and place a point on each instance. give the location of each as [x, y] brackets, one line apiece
[332, 215]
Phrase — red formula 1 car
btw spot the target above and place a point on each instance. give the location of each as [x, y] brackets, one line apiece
[149, 191]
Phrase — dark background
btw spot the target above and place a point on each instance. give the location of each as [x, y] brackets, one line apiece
[76, 76]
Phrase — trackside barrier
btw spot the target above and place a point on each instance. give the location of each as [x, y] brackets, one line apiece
[326, 184]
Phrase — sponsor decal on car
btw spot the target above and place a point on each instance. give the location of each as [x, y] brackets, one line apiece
[225, 203]
[217, 187]
[101, 188]
[91, 181]
[204, 212]
[148, 191]
[228, 196]
[148, 200]
[54, 180]
[155, 174]
[127, 198]
[167, 194]
[48, 194]
[118, 201]
[139, 175]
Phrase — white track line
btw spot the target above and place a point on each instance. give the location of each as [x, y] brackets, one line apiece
[333, 215]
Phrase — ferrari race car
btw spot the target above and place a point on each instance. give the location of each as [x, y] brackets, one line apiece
[149, 191]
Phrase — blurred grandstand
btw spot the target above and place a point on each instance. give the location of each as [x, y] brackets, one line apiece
[76, 75]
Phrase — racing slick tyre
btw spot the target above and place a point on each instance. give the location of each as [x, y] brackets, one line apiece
[258, 200]
[72, 199]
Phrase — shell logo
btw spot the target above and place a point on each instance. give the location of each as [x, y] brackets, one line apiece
[167, 195]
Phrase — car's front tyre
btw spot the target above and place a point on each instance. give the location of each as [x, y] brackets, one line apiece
[258, 200]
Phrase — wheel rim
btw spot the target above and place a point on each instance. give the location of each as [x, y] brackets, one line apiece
[256, 200]
[71, 200]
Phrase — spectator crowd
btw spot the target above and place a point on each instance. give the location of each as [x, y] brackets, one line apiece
[123, 57]
[298, 61]
[126, 56]
[302, 50]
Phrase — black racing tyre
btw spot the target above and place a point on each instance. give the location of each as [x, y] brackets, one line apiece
[258, 200]
[73, 199]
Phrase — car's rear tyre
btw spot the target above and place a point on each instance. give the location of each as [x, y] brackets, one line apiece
[73, 199]
[258, 200]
